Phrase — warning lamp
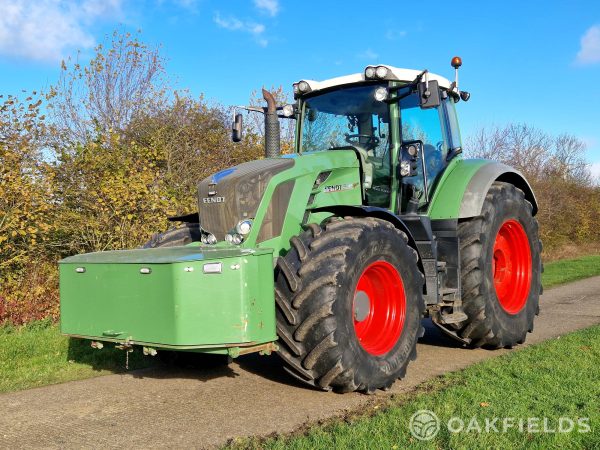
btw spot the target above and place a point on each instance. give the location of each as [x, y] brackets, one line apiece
[456, 63]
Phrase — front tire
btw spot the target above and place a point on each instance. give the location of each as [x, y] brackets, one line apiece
[349, 305]
[500, 269]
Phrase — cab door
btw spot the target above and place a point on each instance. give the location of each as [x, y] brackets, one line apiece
[429, 127]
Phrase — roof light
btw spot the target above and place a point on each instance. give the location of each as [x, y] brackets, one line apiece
[370, 72]
[303, 86]
[381, 72]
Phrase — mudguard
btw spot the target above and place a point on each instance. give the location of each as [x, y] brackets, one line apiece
[462, 189]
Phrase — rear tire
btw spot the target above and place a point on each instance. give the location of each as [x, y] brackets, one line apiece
[331, 336]
[500, 270]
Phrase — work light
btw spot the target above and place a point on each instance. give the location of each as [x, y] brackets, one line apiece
[381, 72]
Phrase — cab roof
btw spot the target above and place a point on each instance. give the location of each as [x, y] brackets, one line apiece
[395, 73]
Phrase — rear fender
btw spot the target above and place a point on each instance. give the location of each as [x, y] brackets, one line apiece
[462, 191]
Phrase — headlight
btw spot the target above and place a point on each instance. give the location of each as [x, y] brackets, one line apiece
[208, 239]
[381, 71]
[234, 238]
[288, 110]
[243, 227]
[370, 72]
[381, 94]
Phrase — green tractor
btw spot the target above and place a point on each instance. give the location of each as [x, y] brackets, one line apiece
[332, 255]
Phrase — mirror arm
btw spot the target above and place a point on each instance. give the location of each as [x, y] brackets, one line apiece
[453, 152]
[250, 108]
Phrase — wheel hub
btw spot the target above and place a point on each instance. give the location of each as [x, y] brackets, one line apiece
[362, 306]
[511, 266]
[379, 308]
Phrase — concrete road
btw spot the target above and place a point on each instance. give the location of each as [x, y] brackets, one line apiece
[175, 408]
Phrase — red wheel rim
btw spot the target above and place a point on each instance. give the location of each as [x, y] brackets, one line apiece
[511, 266]
[379, 308]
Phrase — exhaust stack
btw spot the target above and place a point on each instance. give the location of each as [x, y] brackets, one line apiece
[272, 132]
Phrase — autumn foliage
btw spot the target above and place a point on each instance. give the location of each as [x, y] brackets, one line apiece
[107, 154]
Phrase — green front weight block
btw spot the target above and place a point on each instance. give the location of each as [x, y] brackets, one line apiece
[179, 298]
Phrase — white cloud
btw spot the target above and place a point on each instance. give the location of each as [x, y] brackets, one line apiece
[271, 7]
[589, 53]
[368, 54]
[234, 24]
[394, 35]
[44, 30]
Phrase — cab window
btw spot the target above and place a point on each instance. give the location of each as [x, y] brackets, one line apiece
[423, 125]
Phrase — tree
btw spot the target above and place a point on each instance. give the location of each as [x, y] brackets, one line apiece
[194, 140]
[28, 284]
[123, 79]
[25, 190]
[532, 151]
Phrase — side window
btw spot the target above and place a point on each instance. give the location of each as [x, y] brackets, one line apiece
[453, 129]
[425, 125]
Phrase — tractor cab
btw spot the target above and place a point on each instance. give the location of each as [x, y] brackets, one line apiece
[384, 114]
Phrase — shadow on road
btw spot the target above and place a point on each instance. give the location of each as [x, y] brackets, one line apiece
[201, 367]
[435, 337]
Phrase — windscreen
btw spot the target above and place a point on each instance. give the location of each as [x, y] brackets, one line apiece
[345, 117]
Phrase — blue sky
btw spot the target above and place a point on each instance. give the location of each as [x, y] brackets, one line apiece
[536, 62]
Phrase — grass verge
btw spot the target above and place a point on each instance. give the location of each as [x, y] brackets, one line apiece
[553, 380]
[567, 270]
[37, 355]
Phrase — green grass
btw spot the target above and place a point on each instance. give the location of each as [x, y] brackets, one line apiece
[567, 270]
[38, 355]
[558, 378]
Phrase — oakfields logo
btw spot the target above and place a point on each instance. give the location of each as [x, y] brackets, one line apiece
[425, 425]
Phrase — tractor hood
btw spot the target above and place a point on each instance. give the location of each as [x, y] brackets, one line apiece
[234, 194]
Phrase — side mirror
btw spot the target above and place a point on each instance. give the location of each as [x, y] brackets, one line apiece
[236, 128]
[409, 158]
[429, 94]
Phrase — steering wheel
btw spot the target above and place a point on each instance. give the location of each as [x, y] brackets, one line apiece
[370, 143]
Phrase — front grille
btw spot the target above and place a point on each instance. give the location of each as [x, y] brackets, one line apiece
[235, 194]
